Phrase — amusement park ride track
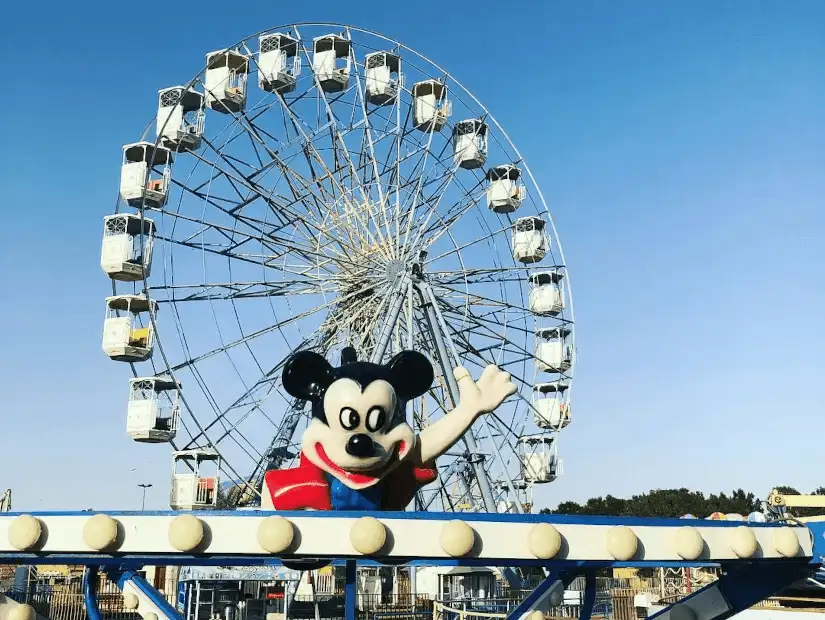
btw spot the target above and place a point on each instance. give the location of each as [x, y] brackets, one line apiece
[756, 560]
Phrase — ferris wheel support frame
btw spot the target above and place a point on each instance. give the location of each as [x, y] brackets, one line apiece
[428, 291]
[476, 458]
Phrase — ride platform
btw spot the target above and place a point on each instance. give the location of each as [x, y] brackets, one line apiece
[757, 559]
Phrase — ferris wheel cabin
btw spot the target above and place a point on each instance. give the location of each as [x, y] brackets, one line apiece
[126, 252]
[331, 62]
[278, 63]
[470, 143]
[152, 413]
[546, 295]
[508, 504]
[195, 479]
[383, 77]
[553, 352]
[540, 462]
[552, 410]
[505, 191]
[225, 81]
[530, 243]
[180, 118]
[124, 339]
[431, 108]
[144, 175]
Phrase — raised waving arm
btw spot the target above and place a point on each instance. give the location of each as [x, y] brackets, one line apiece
[475, 399]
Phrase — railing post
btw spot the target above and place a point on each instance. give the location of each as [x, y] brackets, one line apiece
[90, 592]
[350, 590]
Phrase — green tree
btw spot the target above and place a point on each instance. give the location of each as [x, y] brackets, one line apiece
[663, 503]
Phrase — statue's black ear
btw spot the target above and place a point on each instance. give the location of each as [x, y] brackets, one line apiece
[306, 375]
[411, 374]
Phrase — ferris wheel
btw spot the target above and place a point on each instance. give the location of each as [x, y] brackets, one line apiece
[318, 186]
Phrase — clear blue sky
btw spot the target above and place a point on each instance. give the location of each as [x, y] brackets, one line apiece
[680, 145]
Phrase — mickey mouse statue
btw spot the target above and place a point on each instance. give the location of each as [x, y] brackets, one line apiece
[358, 453]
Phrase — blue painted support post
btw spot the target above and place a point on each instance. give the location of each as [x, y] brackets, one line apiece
[737, 590]
[90, 592]
[589, 595]
[350, 590]
[145, 592]
[539, 598]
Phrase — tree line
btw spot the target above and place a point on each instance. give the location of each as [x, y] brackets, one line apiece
[677, 502]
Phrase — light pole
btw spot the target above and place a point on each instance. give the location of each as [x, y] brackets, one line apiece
[143, 501]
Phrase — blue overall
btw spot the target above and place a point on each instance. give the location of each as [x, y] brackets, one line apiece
[343, 498]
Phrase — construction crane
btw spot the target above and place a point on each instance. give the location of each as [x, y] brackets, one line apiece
[5, 501]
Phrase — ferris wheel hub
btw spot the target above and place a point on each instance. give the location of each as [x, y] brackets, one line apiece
[395, 269]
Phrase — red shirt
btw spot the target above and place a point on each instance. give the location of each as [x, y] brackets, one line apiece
[306, 486]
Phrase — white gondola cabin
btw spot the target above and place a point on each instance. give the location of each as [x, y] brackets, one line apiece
[546, 294]
[152, 414]
[540, 462]
[553, 351]
[530, 243]
[279, 64]
[144, 175]
[126, 251]
[331, 62]
[383, 77]
[508, 499]
[180, 118]
[551, 408]
[225, 81]
[431, 108]
[195, 479]
[470, 143]
[124, 338]
[505, 191]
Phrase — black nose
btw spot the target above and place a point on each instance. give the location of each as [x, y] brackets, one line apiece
[360, 445]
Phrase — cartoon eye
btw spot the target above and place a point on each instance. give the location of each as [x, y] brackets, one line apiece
[375, 419]
[350, 418]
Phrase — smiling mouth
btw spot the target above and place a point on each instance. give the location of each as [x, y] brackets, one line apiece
[355, 477]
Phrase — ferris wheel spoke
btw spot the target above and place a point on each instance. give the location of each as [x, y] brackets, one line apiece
[242, 290]
[256, 193]
[246, 180]
[476, 299]
[266, 260]
[268, 381]
[339, 143]
[313, 155]
[484, 326]
[268, 329]
[464, 246]
[433, 232]
[372, 159]
[315, 254]
[471, 198]
[486, 275]
[479, 300]
[409, 217]
[268, 240]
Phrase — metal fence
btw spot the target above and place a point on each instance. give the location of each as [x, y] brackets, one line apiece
[65, 601]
